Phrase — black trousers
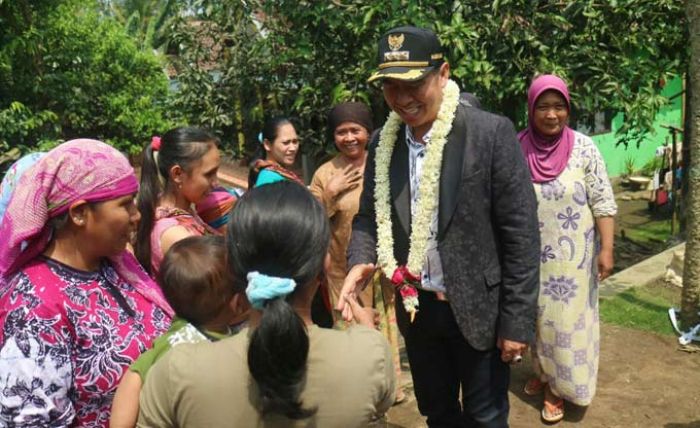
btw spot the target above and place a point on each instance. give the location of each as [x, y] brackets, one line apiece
[442, 362]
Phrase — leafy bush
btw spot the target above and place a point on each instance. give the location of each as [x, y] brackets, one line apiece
[68, 72]
[301, 57]
[651, 166]
[630, 165]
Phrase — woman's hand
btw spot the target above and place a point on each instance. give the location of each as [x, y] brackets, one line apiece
[365, 316]
[605, 264]
[605, 261]
[348, 179]
[354, 283]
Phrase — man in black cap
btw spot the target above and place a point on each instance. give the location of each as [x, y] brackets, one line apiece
[466, 243]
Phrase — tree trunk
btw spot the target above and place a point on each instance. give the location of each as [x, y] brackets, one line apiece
[240, 149]
[690, 301]
[687, 124]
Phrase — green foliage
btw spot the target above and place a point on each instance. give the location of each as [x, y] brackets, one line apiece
[146, 21]
[308, 55]
[68, 72]
[653, 232]
[17, 120]
[629, 166]
[222, 79]
[642, 308]
[652, 166]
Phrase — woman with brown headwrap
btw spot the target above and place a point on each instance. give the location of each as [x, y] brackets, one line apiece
[338, 185]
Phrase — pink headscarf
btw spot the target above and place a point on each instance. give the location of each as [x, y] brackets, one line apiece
[82, 169]
[546, 157]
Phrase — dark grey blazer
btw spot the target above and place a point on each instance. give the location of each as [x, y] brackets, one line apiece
[488, 234]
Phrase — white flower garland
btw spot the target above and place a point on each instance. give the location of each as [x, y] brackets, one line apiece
[428, 186]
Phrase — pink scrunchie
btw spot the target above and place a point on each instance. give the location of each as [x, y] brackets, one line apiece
[155, 143]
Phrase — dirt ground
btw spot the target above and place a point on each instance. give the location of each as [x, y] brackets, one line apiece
[643, 381]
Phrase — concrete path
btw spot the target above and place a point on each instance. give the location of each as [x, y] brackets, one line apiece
[640, 274]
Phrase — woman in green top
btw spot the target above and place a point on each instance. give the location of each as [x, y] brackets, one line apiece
[198, 285]
[277, 153]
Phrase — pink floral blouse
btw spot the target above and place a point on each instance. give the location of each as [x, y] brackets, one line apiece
[167, 217]
[66, 338]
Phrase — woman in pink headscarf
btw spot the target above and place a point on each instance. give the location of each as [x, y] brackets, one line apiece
[576, 208]
[75, 307]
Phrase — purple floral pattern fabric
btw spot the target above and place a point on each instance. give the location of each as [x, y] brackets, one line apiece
[552, 190]
[66, 339]
[560, 289]
[547, 254]
[566, 351]
[570, 218]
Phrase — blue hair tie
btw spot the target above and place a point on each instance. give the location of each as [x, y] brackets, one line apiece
[260, 138]
[262, 288]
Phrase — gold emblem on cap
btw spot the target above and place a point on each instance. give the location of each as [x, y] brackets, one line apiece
[395, 41]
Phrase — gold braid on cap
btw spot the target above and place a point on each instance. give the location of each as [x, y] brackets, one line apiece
[407, 75]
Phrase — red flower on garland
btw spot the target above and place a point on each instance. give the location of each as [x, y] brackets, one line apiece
[406, 283]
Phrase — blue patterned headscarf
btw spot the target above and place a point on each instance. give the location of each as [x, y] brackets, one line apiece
[9, 182]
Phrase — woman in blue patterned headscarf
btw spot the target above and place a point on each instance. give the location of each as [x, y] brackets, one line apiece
[12, 177]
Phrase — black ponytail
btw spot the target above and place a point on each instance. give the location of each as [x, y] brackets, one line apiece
[149, 190]
[279, 230]
[277, 355]
[179, 146]
[252, 173]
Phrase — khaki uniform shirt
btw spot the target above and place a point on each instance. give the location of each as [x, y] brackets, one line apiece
[350, 380]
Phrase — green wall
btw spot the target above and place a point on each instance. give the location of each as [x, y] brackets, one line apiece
[669, 115]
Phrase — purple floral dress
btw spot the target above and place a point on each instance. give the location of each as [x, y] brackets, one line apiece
[568, 338]
[66, 338]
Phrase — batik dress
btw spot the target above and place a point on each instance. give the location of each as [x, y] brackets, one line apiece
[66, 338]
[568, 340]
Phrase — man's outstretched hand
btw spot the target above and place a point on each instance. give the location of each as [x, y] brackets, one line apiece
[354, 283]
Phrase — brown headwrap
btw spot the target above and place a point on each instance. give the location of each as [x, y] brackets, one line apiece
[349, 112]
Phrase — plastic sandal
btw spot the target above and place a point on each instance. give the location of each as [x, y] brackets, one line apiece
[553, 413]
[534, 386]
